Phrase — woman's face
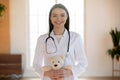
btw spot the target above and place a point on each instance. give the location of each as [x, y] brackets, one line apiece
[58, 17]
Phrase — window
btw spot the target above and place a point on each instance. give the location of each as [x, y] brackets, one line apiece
[39, 10]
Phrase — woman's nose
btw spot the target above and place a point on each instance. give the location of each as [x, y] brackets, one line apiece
[58, 18]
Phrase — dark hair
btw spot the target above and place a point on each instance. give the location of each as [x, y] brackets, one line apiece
[67, 21]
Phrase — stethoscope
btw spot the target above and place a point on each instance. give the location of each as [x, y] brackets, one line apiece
[50, 37]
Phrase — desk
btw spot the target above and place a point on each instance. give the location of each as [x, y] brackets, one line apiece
[10, 65]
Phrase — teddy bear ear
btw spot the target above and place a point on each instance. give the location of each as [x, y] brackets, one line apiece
[50, 58]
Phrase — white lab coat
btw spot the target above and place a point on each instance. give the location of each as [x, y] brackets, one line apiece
[76, 57]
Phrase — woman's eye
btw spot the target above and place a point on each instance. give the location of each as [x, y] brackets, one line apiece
[62, 15]
[54, 15]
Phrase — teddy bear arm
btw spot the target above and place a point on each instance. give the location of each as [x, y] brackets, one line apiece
[68, 67]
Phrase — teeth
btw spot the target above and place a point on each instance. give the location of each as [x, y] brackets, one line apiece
[58, 22]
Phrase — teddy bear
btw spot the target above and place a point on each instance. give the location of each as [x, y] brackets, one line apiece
[56, 62]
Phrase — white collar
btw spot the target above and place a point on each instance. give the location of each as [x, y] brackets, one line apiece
[65, 32]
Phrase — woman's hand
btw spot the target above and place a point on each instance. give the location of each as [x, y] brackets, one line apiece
[60, 73]
[51, 74]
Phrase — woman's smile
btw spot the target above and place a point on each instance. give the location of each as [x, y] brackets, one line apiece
[59, 22]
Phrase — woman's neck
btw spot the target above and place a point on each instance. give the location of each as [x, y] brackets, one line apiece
[59, 31]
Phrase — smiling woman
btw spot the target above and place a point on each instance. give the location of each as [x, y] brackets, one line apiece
[39, 18]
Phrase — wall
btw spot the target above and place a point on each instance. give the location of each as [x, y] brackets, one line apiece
[4, 29]
[19, 30]
[100, 17]
[118, 14]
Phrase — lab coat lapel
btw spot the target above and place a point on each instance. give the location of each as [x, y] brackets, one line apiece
[56, 42]
[63, 39]
[63, 42]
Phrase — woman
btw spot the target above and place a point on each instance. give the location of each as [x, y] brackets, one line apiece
[60, 41]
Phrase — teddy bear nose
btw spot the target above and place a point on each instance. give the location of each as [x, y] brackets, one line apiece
[55, 65]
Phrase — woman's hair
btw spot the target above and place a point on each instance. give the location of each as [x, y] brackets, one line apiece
[67, 21]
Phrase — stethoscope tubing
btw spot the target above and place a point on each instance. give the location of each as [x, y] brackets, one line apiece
[50, 37]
